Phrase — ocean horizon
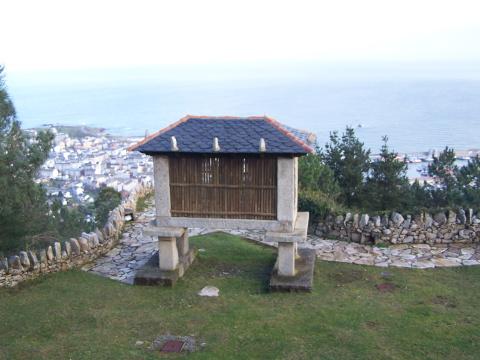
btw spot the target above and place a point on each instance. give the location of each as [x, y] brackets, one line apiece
[420, 108]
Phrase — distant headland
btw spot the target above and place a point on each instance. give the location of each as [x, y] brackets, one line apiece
[74, 131]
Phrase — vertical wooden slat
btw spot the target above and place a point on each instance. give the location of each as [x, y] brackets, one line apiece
[224, 187]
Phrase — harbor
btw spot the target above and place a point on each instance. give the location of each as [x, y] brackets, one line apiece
[418, 162]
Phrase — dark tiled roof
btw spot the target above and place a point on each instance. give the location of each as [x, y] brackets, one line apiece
[195, 134]
[307, 137]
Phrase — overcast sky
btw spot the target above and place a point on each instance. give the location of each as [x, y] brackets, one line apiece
[62, 34]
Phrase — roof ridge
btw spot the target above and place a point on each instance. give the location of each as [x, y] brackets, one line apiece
[279, 126]
[227, 117]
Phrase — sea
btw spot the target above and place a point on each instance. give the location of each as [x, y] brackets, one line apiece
[420, 107]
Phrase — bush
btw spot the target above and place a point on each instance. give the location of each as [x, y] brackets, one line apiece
[318, 204]
[319, 191]
[107, 200]
[313, 174]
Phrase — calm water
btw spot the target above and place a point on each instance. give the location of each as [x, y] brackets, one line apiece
[419, 109]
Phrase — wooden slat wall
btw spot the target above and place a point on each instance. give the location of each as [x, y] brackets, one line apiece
[224, 187]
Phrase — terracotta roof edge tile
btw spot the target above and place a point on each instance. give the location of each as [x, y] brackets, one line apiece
[289, 134]
[161, 131]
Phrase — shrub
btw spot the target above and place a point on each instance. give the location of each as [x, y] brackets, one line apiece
[106, 201]
[318, 204]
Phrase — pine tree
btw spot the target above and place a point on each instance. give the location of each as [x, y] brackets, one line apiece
[419, 196]
[468, 178]
[23, 207]
[350, 162]
[444, 170]
[387, 182]
[443, 167]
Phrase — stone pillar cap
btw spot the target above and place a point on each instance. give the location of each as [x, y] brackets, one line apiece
[153, 230]
[299, 234]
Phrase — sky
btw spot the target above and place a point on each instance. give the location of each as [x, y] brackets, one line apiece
[65, 34]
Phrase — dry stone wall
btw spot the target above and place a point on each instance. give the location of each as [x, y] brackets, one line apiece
[65, 255]
[462, 226]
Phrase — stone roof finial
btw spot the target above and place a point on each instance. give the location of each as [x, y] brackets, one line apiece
[173, 144]
[262, 147]
[216, 146]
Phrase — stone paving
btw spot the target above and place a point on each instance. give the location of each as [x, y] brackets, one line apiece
[134, 249]
[419, 256]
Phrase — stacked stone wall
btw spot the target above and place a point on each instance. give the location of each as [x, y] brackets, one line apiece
[72, 253]
[461, 226]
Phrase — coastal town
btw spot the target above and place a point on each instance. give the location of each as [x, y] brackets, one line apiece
[81, 163]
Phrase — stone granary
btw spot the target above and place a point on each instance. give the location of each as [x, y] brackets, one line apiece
[227, 173]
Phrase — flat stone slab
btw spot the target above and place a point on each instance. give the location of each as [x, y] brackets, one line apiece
[162, 231]
[303, 280]
[299, 234]
[151, 275]
[291, 237]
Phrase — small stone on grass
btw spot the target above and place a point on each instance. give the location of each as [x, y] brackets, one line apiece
[210, 291]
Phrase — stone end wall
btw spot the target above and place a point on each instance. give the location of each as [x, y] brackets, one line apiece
[72, 253]
[462, 226]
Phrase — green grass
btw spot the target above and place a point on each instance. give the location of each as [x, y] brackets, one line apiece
[432, 314]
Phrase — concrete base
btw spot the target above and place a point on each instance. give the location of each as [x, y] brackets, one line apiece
[303, 279]
[168, 253]
[151, 274]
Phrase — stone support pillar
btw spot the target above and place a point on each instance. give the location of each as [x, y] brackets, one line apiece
[286, 259]
[168, 253]
[162, 186]
[295, 189]
[286, 192]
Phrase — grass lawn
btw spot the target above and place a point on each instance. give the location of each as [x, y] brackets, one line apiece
[431, 314]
